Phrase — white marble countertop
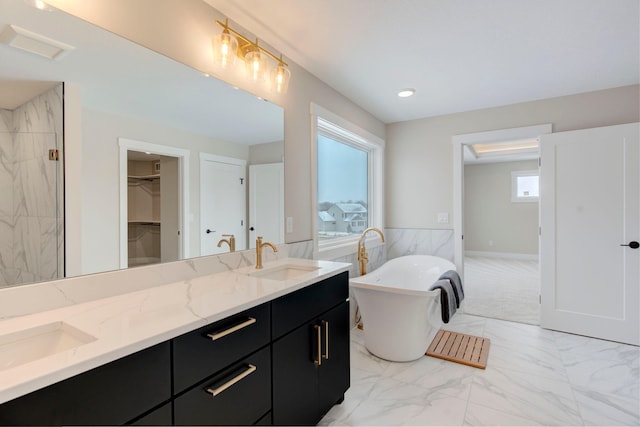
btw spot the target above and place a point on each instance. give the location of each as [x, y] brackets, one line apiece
[124, 324]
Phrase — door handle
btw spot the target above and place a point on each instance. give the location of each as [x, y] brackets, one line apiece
[210, 231]
[216, 391]
[217, 335]
[318, 361]
[326, 340]
[632, 244]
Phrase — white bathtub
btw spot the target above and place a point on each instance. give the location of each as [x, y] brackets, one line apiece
[400, 315]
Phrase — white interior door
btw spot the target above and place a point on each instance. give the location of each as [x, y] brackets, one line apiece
[266, 203]
[222, 204]
[589, 207]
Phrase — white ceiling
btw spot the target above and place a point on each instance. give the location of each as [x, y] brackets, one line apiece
[459, 55]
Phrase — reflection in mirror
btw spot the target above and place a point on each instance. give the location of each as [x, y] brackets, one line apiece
[124, 91]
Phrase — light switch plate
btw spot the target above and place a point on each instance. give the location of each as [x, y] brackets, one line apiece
[289, 224]
[443, 218]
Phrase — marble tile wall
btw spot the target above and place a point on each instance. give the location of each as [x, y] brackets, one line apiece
[418, 241]
[7, 271]
[32, 298]
[33, 212]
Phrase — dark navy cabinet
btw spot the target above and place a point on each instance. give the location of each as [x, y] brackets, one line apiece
[285, 362]
[314, 355]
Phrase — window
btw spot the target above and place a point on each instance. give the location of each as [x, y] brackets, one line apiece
[348, 177]
[525, 186]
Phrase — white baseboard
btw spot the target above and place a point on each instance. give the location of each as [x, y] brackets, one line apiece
[508, 255]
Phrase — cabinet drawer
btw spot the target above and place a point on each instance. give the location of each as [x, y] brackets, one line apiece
[159, 417]
[290, 311]
[111, 394]
[197, 355]
[244, 402]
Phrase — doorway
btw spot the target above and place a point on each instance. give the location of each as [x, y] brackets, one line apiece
[154, 200]
[496, 231]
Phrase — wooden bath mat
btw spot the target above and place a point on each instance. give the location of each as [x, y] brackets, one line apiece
[460, 348]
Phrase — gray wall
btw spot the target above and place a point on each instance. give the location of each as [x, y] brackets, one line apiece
[492, 222]
[419, 163]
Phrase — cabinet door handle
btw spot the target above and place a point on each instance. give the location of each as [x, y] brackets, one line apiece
[216, 391]
[217, 335]
[318, 362]
[326, 340]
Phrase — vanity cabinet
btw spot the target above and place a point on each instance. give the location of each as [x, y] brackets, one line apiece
[283, 362]
[310, 351]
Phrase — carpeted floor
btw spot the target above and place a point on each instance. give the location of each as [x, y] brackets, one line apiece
[502, 288]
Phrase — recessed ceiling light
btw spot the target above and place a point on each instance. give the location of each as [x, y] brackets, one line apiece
[405, 93]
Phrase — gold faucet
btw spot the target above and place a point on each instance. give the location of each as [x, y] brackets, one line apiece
[259, 246]
[231, 242]
[363, 256]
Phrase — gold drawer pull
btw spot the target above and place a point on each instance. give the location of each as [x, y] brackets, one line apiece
[318, 329]
[216, 391]
[326, 340]
[218, 335]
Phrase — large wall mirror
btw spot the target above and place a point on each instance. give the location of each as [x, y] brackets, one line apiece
[172, 162]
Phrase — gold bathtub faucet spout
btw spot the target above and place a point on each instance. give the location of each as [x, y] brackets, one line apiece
[231, 241]
[259, 246]
[363, 256]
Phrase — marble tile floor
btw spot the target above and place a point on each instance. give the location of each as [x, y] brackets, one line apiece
[533, 377]
[502, 288]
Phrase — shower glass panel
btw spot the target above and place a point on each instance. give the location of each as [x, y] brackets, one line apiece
[31, 220]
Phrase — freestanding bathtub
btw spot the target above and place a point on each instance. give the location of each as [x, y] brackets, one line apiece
[400, 315]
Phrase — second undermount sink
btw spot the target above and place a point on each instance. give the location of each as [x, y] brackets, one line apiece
[284, 272]
[27, 345]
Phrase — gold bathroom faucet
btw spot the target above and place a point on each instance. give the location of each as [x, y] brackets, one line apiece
[231, 241]
[363, 256]
[259, 246]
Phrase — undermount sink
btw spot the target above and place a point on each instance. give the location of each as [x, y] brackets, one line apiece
[284, 272]
[27, 345]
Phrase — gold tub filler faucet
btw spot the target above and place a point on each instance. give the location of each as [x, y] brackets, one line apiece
[259, 246]
[231, 241]
[363, 256]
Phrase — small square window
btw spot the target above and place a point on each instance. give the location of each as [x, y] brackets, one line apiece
[525, 186]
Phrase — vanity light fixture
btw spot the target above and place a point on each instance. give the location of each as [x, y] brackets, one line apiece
[261, 65]
[405, 93]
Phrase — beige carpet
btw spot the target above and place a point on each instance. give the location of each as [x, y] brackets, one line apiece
[502, 288]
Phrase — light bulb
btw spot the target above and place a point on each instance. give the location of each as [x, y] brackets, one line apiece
[225, 46]
[256, 65]
[280, 78]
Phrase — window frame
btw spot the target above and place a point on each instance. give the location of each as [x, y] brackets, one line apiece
[335, 127]
[514, 186]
